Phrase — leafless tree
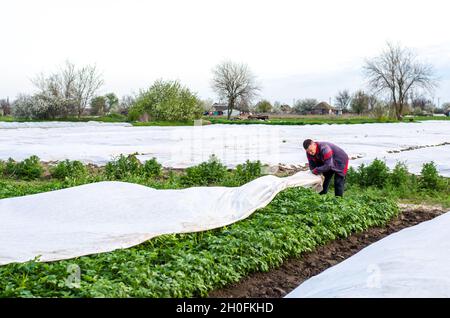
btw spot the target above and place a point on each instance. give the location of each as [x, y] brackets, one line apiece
[87, 82]
[343, 99]
[234, 82]
[395, 72]
[372, 101]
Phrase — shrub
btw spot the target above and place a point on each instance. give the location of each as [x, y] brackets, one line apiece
[151, 168]
[376, 174]
[69, 169]
[206, 173]
[352, 176]
[122, 167]
[400, 177]
[429, 177]
[247, 172]
[27, 169]
[129, 166]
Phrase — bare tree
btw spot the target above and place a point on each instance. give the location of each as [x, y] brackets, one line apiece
[87, 82]
[372, 101]
[395, 72]
[234, 82]
[343, 99]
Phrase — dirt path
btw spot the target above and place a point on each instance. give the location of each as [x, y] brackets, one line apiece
[280, 281]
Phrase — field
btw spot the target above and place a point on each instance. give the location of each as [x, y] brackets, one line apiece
[296, 222]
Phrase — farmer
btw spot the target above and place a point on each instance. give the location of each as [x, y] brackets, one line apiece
[327, 159]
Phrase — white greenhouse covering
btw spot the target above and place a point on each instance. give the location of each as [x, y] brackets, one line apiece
[414, 262]
[104, 216]
[180, 147]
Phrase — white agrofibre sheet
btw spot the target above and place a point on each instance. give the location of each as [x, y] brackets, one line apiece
[180, 147]
[414, 262]
[105, 216]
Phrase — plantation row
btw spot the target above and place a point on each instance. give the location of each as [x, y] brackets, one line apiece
[185, 265]
[376, 176]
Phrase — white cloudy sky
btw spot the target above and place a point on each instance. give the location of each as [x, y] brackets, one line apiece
[297, 49]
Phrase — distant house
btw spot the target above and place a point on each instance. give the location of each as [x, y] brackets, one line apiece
[219, 109]
[323, 108]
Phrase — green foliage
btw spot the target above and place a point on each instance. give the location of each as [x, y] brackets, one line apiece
[376, 174]
[429, 187]
[151, 168]
[167, 100]
[98, 105]
[304, 120]
[27, 169]
[122, 167]
[429, 177]
[206, 173]
[400, 176]
[112, 102]
[69, 169]
[263, 106]
[191, 265]
[135, 111]
[247, 172]
[352, 176]
[114, 117]
[360, 102]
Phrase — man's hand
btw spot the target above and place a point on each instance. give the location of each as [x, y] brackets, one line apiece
[315, 171]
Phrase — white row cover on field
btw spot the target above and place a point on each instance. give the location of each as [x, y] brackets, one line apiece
[105, 216]
[180, 147]
[59, 124]
[414, 262]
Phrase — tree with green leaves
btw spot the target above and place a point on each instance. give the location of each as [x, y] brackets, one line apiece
[263, 106]
[360, 102]
[112, 103]
[167, 100]
[98, 106]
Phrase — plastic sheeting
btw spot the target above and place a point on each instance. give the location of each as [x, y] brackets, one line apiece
[414, 262]
[180, 147]
[59, 124]
[105, 216]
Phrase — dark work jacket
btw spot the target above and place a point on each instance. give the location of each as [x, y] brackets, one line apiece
[328, 157]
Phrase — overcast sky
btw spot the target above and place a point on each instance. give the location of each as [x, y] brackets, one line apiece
[297, 49]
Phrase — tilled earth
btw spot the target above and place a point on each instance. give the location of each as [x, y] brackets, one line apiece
[280, 281]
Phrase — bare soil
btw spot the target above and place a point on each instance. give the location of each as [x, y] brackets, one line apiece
[280, 281]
